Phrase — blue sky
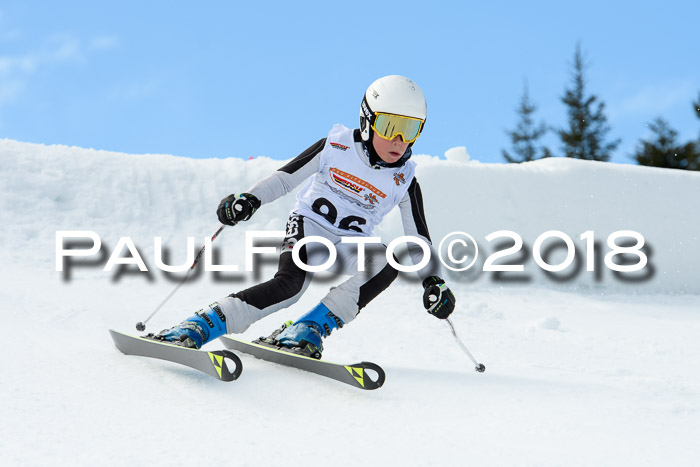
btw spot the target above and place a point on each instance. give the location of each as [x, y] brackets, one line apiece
[241, 79]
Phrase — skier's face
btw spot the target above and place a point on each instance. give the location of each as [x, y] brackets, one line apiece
[389, 151]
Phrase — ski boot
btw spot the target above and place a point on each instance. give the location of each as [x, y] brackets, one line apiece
[196, 330]
[304, 337]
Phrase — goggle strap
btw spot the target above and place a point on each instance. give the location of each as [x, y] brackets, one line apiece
[369, 115]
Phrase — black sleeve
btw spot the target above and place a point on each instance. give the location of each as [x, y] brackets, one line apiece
[304, 158]
[289, 176]
[412, 212]
[414, 224]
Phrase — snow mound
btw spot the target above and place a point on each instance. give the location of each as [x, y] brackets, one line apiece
[584, 367]
[56, 188]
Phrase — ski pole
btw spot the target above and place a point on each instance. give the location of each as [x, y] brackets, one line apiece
[479, 366]
[141, 325]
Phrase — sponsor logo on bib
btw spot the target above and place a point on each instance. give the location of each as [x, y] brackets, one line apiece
[354, 184]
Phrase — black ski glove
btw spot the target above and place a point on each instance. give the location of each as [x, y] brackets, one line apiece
[438, 299]
[236, 208]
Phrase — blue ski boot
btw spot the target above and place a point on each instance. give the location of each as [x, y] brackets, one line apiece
[305, 335]
[196, 330]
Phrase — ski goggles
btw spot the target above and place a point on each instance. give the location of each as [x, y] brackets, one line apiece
[389, 126]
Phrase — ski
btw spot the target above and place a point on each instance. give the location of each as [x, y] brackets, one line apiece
[355, 375]
[214, 363]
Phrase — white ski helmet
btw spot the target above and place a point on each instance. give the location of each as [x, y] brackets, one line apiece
[393, 94]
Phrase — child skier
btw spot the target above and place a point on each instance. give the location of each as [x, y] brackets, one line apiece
[353, 179]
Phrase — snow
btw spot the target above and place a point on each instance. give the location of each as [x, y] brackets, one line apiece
[592, 370]
[458, 154]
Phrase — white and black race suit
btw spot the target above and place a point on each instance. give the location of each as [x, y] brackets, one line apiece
[343, 195]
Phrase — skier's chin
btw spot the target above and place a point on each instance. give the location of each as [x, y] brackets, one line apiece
[391, 157]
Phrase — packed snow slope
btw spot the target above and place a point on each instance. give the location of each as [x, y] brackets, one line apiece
[583, 367]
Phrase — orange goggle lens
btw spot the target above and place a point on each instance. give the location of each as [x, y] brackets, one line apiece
[388, 126]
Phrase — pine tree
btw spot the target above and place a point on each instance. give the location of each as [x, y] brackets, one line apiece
[665, 151]
[585, 136]
[526, 134]
[696, 106]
